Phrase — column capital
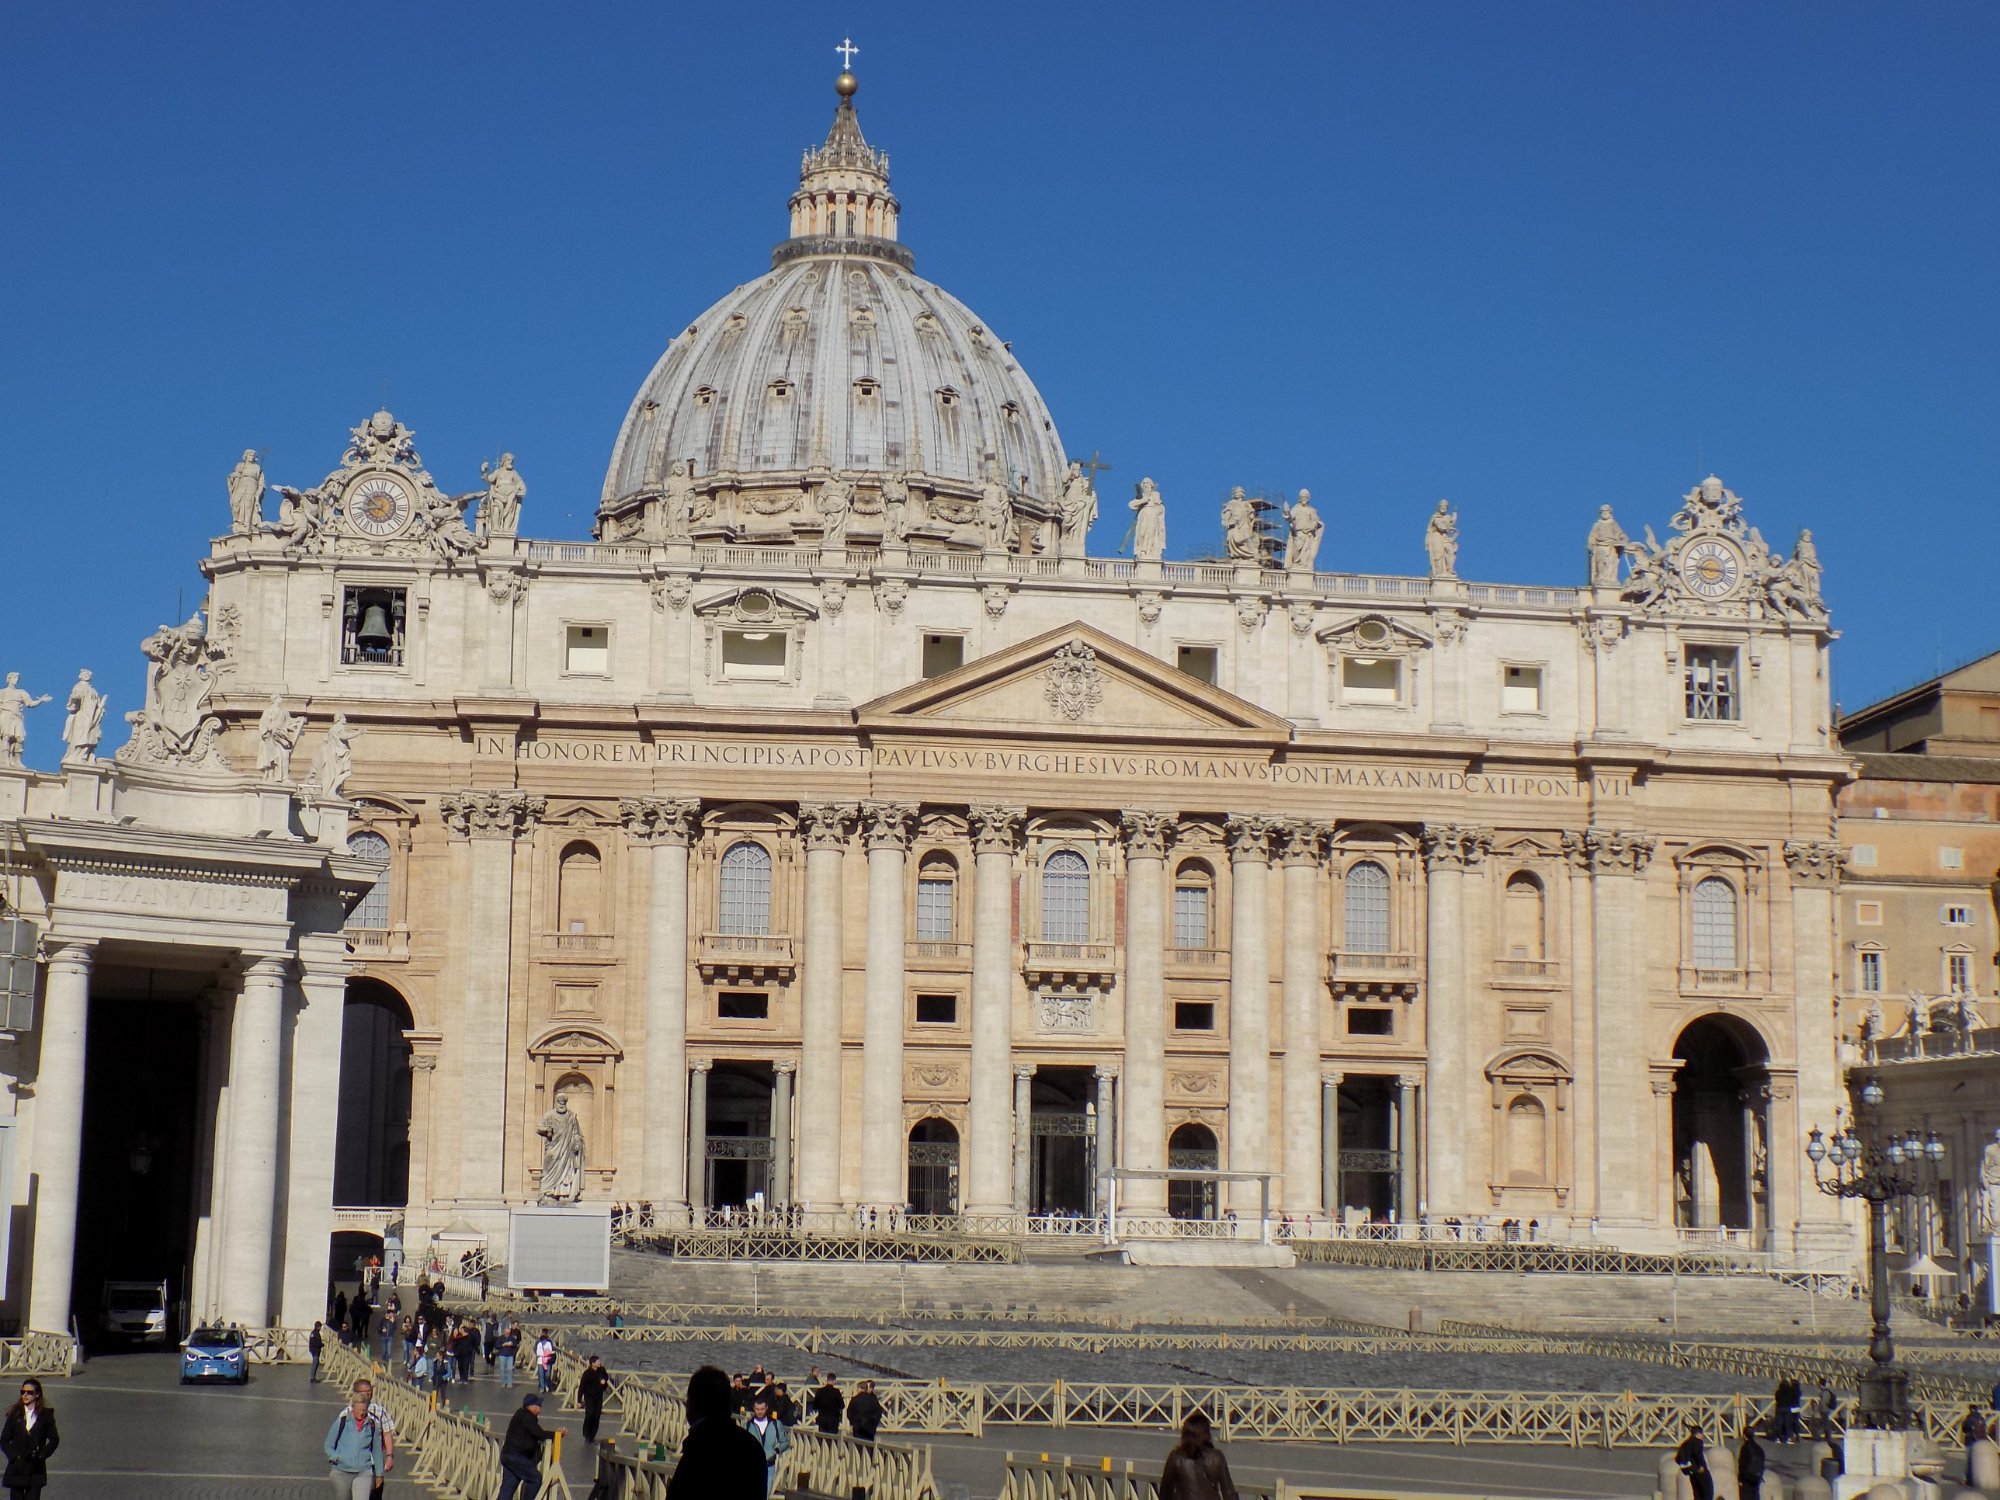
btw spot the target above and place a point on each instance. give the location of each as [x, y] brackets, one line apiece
[423, 1062]
[266, 968]
[996, 828]
[660, 820]
[785, 1065]
[1815, 863]
[1301, 841]
[1147, 832]
[1455, 846]
[700, 1064]
[1105, 1070]
[1248, 837]
[1609, 851]
[72, 955]
[491, 815]
[1406, 1083]
[1331, 1076]
[826, 825]
[1024, 1071]
[889, 825]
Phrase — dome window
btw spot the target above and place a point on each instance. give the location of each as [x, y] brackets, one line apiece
[927, 325]
[705, 396]
[779, 390]
[947, 398]
[1011, 410]
[867, 391]
[734, 324]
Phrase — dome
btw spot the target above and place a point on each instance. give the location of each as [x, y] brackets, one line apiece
[840, 359]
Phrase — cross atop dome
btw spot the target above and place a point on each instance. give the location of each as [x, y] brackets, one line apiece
[843, 191]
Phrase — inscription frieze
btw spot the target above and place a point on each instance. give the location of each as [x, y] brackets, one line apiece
[169, 897]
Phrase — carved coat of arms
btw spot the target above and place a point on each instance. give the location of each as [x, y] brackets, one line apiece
[1072, 686]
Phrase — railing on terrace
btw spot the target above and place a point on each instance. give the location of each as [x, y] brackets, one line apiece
[774, 1242]
[587, 552]
[1517, 970]
[928, 950]
[581, 942]
[1928, 1046]
[1433, 1253]
[1199, 958]
[1092, 1479]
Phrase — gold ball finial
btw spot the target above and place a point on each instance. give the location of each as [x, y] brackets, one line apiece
[846, 84]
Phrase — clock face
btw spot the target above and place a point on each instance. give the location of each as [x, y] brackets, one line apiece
[378, 505]
[1711, 568]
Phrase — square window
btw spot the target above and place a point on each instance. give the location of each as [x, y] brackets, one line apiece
[1958, 916]
[1868, 913]
[1371, 679]
[587, 650]
[1521, 690]
[1710, 681]
[372, 623]
[1198, 662]
[742, 1005]
[937, 1010]
[754, 655]
[1950, 858]
[1862, 856]
[942, 654]
[1370, 1020]
[1871, 973]
[1194, 1015]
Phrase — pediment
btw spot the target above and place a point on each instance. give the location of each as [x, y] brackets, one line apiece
[1076, 681]
[1374, 632]
[755, 604]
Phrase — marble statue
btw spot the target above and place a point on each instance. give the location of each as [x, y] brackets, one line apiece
[1607, 544]
[83, 719]
[445, 516]
[895, 508]
[677, 499]
[1239, 526]
[334, 762]
[562, 1154]
[1302, 547]
[1874, 1024]
[1149, 525]
[1079, 513]
[996, 509]
[1441, 541]
[301, 515]
[835, 502]
[14, 705]
[500, 511]
[277, 734]
[1647, 583]
[246, 494]
[1989, 1187]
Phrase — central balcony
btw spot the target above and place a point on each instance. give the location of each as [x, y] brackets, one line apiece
[1357, 975]
[743, 955]
[1069, 963]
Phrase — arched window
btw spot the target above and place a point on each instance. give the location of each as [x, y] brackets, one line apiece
[373, 911]
[1527, 1140]
[580, 890]
[1066, 898]
[1714, 924]
[1523, 913]
[746, 890]
[1194, 905]
[937, 884]
[1366, 903]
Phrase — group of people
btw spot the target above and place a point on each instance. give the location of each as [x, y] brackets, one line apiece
[741, 1427]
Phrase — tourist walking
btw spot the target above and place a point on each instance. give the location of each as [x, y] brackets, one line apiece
[592, 1386]
[1750, 1465]
[864, 1412]
[521, 1449]
[355, 1448]
[315, 1347]
[508, 1347]
[1196, 1469]
[545, 1362]
[489, 1337]
[27, 1437]
[719, 1460]
[772, 1439]
[826, 1405]
[365, 1389]
[1692, 1456]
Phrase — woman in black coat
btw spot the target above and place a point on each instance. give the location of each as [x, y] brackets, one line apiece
[27, 1437]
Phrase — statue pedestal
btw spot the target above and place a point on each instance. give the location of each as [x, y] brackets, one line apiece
[559, 1248]
[86, 788]
[1870, 1456]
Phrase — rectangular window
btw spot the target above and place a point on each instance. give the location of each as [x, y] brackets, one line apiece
[934, 911]
[1371, 1020]
[1521, 690]
[1871, 973]
[1194, 1015]
[942, 654]
[1958, 972]
[587, 650]
[754, 655]
[372, 623]
[1868, 913]
[1950, 858]
[1711, 684]
[937, 1010]
[1197, 661]
[1958, 916]
[1371, 679]
[742, 1005]
[1862, 856]
[1191, 916]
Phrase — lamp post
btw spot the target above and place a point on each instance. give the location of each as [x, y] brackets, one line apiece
[1881, 1168]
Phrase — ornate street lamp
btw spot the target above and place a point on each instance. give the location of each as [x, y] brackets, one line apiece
[1882, 1168]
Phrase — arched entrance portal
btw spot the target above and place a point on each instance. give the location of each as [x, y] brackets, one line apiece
[371, 1162]
[933, 1167]
[1192, 1148]
[1721, 1120]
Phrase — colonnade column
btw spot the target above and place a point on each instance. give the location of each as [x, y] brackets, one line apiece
[1451, 1078]
[1024, 1132]
[1249, 1006]
[1147, 835]
[255, 1068]
[59, 1132]
[781, 1131]
[1409, 1203]
[995, 833]
[825, 826]
[314, 1069]
[888, 827]
[1329, 1144]
[697, 1137]
[664, 827]
[1301, 845]
[1815, 867]
[490, 822]
[1107, 1132]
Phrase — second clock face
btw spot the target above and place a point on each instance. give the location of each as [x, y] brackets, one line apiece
[1711, 568]
[378, 505]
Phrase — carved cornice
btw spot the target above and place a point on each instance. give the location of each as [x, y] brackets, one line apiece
[889, 825]
[826, 825]
[996, 829]
[491, 815]
[1147, 832]
[1815, 863]
[1609, 851]
[1248, 836]
[1300, 841]
[660, 820]
[1455, 846]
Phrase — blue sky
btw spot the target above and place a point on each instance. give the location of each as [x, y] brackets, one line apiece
[1532, 257]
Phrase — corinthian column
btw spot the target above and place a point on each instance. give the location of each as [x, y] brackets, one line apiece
[313, 1083]
[663, 827]
[825, 826]
[1249, 1006]
[58, 1144]
[1301, 846]
[1147, 834]
[1815, 868]
[489, 822]
[1451, 1080]
[995, 833]
[249, 1213]
[888, 827]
